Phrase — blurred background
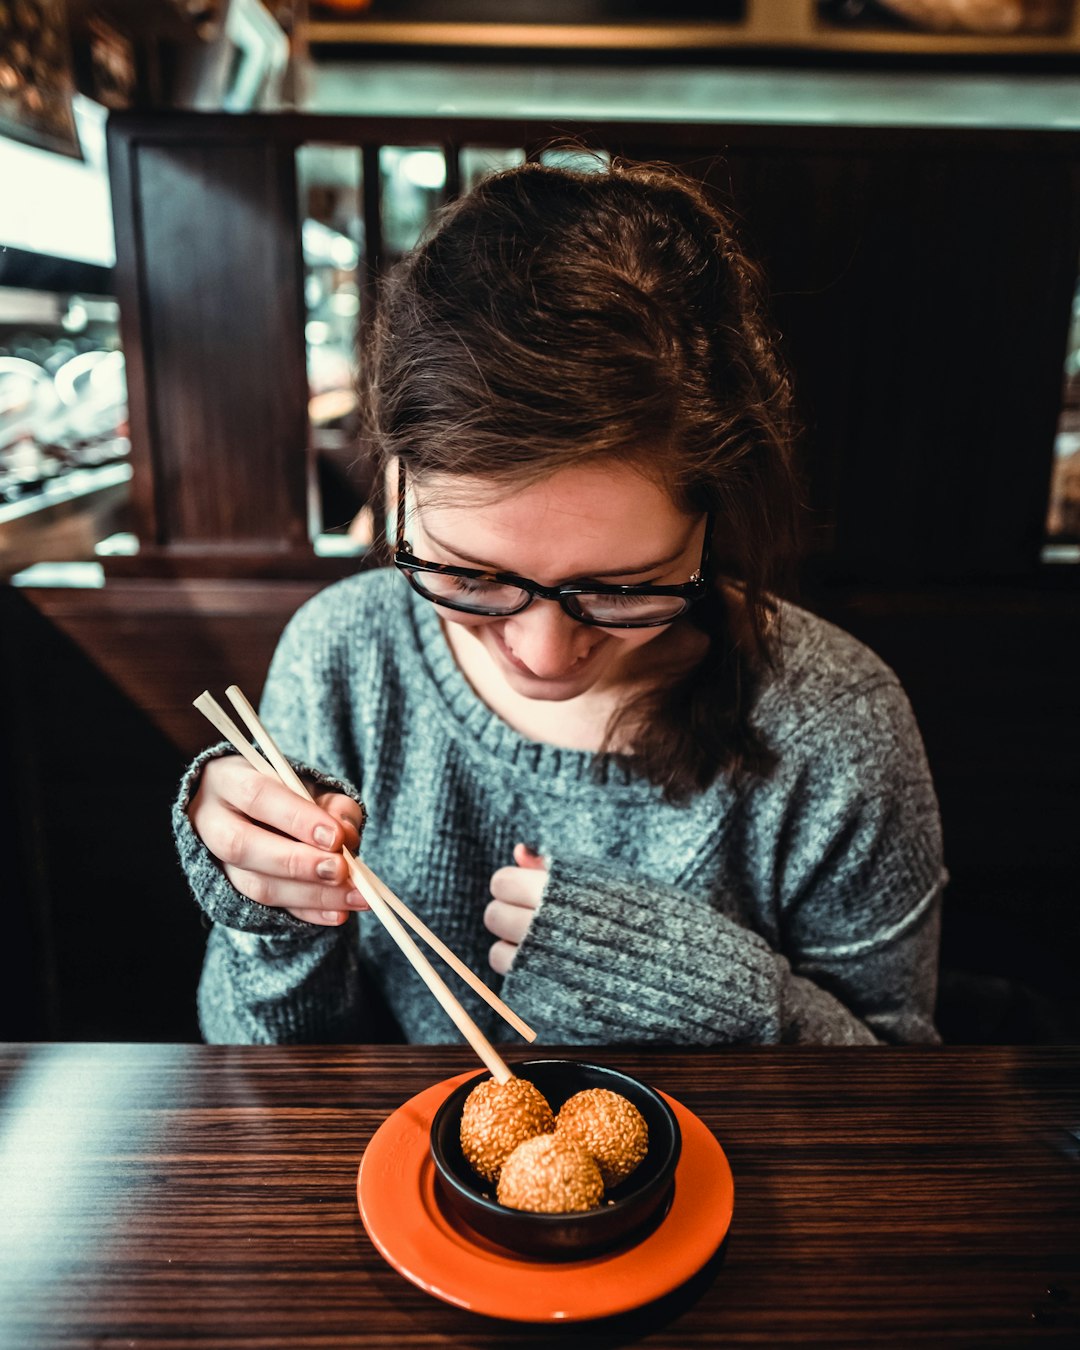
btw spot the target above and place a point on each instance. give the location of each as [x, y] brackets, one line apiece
[197, 201]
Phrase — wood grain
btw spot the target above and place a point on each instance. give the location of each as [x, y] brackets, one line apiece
[166, 1196]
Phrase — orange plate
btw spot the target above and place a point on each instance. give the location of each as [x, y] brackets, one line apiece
[404, 1219]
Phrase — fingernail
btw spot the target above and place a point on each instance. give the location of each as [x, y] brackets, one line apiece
[328, 870]
[333, 915]
[324, 836]
[355, 900]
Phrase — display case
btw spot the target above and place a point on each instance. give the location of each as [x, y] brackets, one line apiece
[64, 447]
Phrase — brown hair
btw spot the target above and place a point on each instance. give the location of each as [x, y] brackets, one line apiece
[553, 318]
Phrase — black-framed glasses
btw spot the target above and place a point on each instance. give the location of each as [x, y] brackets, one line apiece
[499, 594]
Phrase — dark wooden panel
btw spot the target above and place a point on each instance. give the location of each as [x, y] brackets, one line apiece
[992, 674]
[226, 337]
[161, 643]
[807, 219]
[97, 727]
[927, 357]
[27, 982]
[211, 295]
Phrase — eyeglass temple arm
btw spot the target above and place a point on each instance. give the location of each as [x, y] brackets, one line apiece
[399, 542]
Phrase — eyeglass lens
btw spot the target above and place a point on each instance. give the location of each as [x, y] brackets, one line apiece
[487, 596]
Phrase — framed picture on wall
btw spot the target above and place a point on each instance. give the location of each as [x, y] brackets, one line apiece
[36, 81]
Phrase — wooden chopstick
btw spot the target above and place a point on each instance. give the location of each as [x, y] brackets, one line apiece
[366, 879]
[372, 889]
[212, 710]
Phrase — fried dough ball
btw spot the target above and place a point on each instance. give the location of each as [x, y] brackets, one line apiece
[550, 1175]
[609, 1127]
[499, 1116]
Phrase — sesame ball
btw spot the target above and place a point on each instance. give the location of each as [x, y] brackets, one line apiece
[549, 1175]
[499, 1116]
[611, 1128]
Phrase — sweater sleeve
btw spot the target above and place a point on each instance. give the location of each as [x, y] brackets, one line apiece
[267, 976]
[849, 866]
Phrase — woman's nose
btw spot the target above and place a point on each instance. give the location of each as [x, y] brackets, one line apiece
[547, 640]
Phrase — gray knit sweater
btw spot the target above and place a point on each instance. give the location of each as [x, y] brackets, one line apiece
[800, 908]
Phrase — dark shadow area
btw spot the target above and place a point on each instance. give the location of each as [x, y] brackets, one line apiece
[980, 1009]
[991, 674]
[104, 941]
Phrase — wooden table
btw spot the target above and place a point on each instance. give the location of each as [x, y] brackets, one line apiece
[163, 1196]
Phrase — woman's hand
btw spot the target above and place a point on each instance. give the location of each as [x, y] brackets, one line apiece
[518, 893]
[275, 847]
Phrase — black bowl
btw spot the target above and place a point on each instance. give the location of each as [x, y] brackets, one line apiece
[629, 1211]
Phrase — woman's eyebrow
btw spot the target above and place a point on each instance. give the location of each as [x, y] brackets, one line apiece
[488, 566]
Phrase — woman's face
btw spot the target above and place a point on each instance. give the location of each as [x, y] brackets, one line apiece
[605, 523]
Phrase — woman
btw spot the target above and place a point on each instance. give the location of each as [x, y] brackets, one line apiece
[597, 754]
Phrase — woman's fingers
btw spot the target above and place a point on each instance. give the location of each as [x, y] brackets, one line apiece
[328, 918]
[501, 957]
[242, 843]
[519, 885]
[294, 896]
[510, 922]
[278, 848]
[347, 812]
[524, 856]
[233, 783]
[517, 893]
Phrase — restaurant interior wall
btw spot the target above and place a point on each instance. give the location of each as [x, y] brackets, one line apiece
[928, 480]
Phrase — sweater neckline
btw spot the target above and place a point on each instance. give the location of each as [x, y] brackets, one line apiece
[494, 736]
